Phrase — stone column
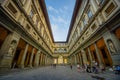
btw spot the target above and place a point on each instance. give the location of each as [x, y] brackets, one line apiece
[46, 60]
[75, 59]
[89, 53]
[80, 58]
[37, 58]
[24, 56]
[57, 61]
[31, 58]
[98, 55]
[41, 59]
[72, 59]
[84, 57]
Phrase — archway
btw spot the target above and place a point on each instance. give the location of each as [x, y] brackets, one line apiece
[60, 59]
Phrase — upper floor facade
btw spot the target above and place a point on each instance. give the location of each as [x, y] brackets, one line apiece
[32, 18]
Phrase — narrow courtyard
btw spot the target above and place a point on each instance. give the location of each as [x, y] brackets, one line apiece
[58, 73]
[59, 39]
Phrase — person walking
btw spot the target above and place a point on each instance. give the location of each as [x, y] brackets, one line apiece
[78, 67]
[71, 66]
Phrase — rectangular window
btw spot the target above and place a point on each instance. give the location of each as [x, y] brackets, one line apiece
[84, 22]
[80, 29]
[109, 9]
[34, 33]
[11, 8]
[31, 13]
[93, 27]
[37, 20]
[89, 14]
[101, 1]
[28, 27]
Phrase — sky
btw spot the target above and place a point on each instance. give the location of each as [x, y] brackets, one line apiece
[60, 14]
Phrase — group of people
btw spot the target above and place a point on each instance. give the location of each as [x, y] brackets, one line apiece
[53, 65]
[94, 68]
[117, 69]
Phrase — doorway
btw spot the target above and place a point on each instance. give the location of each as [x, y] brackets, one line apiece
[60, 59]
[103, 51]
[18, 54]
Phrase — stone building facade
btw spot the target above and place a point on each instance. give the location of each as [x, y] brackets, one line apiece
[26, 39]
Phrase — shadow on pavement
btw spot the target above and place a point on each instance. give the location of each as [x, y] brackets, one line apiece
[97, 77]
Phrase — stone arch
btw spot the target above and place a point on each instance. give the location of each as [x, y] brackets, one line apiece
[60, 59]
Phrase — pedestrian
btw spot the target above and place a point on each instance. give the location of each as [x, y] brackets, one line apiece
[78, 67]
[102, 67]
[71, 66]
[94, 67]
[88, 69]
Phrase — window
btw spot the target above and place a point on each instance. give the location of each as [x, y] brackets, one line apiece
[55, 50]
[93, 27]
[100, 1]
[87, 33]
[31, 13]
[81, 28]
[109, 9]
[34, 33]
[12, 9]
[65, 49]
[38, 38]
[84, 22]
[37, 20]
[28, 27]
[89, 14]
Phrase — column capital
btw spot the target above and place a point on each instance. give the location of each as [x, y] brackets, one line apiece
[82, 51]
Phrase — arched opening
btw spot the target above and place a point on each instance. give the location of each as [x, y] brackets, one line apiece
[60, 59]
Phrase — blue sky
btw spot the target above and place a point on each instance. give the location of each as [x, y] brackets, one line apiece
[60, 14]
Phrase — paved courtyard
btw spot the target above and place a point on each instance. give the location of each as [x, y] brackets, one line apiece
[58, 73]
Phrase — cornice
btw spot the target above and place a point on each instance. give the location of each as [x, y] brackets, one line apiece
[44, 9]
[75, 12]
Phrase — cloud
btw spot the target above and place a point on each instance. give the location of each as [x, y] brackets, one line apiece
[59, 32]
[59, 19]
[65, 7]
[54, 27]
[50, 8]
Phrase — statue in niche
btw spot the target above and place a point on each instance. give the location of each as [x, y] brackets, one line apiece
[12, 47]
[111, 46]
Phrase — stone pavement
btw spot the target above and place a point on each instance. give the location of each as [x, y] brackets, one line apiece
[58, 73]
